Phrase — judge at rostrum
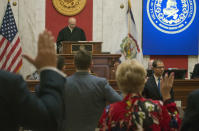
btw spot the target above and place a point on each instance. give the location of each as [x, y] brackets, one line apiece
[70, 33]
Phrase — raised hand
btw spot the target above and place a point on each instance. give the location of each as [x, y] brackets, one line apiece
[46, 55]
[166, 85]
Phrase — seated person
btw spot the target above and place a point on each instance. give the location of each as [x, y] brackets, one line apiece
[136, 112]
[60, 66]
[33, 76]
[152, 86]
[195, 73]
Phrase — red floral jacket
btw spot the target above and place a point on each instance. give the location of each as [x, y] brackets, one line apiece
[138, 113]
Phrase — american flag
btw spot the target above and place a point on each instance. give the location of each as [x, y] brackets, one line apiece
[10, 47]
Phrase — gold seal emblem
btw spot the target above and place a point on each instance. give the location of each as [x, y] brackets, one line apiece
[69, 7]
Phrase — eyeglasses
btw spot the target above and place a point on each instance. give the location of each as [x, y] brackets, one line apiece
[159, 67]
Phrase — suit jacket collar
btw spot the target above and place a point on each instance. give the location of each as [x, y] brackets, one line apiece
[155, 86]
[153, 81]
[82, 73]
[70, 29]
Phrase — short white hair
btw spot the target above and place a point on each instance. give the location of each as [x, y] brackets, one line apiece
[130, 76]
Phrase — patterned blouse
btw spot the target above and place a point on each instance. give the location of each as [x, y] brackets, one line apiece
[136, 113]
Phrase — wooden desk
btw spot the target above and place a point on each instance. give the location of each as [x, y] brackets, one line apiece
[103, 64]
[32, 84]
[182, 88]
[70, 47]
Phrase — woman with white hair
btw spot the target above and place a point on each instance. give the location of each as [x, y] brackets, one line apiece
[136, 112]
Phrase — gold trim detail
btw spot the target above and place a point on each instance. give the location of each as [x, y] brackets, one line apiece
[69, 7]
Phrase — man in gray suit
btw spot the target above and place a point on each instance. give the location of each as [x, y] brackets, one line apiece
[86, 96]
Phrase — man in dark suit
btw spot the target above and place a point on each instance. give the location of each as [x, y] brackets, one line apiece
[86, 95]
[19, 107]
[152, 86]
[195, 71]
[70, 33]
[191, 116]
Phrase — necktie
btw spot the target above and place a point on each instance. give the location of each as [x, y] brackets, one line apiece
[159, 85]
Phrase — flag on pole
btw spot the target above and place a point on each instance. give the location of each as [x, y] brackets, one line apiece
[10, 47]
[130, 47]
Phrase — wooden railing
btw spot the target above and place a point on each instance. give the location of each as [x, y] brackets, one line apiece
[182, 88]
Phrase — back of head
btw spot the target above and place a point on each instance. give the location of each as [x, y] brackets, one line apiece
[82, 59]
[130, 76]
[60, 62]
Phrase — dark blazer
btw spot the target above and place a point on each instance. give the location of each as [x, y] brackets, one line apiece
[86, 97]
[151, 90]
[20, 107]
[191, 116]
[195, 71]
[66, 35]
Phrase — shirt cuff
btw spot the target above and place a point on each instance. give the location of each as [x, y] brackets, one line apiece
[54, 69]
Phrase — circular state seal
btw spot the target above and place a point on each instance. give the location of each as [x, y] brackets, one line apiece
[171, 16]
[129, 48]
[69, 7]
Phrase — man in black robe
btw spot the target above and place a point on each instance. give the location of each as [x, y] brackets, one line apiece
[70, 33]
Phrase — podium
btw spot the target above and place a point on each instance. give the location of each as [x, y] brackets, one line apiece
[102, 63]
[71, 47]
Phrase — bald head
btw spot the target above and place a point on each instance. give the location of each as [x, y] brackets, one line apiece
[72, 22]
